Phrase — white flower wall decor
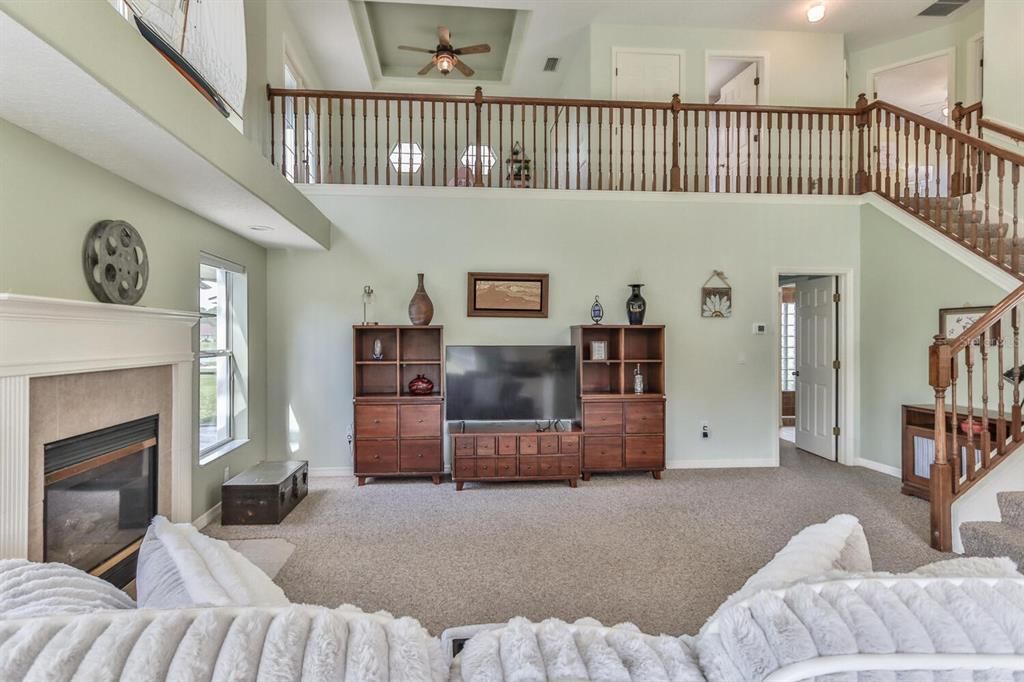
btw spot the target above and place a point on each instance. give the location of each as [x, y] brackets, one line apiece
[716, 301]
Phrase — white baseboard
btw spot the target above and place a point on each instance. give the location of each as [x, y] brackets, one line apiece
[325, 472]
[879, 467]
[209, 516]
[721, 463]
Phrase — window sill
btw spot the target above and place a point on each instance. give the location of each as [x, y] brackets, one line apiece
[222, 450]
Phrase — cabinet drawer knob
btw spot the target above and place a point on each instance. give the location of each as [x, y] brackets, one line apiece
[420, 455]
[376, 421]
[376, 456]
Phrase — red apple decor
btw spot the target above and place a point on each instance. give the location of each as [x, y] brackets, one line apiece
[421, 385]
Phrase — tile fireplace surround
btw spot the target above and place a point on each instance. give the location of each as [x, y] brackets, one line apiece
[68, 367]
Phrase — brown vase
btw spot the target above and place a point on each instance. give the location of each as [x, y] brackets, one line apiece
[421, 308]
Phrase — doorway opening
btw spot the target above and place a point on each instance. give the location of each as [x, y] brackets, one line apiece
[809, 365]
[922, 85]
[736, 80]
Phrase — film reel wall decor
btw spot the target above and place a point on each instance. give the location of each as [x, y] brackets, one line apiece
[116, 262]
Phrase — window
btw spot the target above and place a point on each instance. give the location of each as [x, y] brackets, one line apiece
[223, 356]
[406, 157]
[787, 328]
[486, 155]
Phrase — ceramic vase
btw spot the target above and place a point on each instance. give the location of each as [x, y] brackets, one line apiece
[421, 385]
[636, 306]
[421, 308]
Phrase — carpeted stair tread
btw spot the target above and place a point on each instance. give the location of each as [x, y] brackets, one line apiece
[994, 539]
[1011, 506]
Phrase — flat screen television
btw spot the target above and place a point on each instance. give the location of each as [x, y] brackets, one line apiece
[498, 383]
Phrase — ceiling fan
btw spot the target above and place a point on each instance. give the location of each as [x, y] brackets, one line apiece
[445, 57]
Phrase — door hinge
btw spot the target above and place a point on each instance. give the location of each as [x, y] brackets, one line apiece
[835, 430]
[835, 364]
[757, 81]
[836, 297]
[616, 71]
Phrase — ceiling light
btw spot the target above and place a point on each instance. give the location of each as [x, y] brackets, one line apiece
[261, 228]
[945, 111]
[816, 12]
[445, 63]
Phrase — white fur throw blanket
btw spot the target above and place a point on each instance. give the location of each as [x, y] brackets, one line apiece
[29, 589]
[310, 643]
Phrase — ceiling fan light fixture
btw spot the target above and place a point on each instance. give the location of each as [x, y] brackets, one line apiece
[445, 63]
[816, 12]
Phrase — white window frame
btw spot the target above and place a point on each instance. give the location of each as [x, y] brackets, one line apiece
[235, 331]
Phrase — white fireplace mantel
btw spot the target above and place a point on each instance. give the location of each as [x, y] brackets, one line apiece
[48, 336]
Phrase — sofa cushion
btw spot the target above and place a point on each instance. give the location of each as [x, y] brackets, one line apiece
[29, 589]
[180, 567]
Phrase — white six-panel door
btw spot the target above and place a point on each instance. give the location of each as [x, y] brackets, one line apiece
[816, 378]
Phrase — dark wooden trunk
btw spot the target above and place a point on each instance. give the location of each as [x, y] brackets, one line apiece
[264, 494]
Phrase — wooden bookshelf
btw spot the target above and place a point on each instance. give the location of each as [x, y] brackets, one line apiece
[624, 431]
[398, 433]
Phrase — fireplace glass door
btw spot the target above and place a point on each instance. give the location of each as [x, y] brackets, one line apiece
[100, 497]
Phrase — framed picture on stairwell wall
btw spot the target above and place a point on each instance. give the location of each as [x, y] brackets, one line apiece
[955, 321]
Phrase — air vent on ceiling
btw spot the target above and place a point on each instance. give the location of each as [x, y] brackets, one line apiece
[942, 8]
[551, 64]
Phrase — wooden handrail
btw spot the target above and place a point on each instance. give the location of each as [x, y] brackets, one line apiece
[1002, 129]
[987, 321]
[952, 133]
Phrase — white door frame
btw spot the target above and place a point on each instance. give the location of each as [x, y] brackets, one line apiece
[972, 91]
[649, 50]
[846, 339]
[742, 55]
[949, 53]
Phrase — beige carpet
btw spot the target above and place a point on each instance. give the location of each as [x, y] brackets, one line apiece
[662, 554]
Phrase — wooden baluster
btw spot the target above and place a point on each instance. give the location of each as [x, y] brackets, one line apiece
[330, 142]
[632, 149]
[707, 149]
[905, 199]
[1015, 413]
[433, 142]
[577, 147]
[479, 159]
[305, 140]
[365, 170]
[622, 157]
[501, 141]
[545, 146]
[522, 136]
[490, 142]
[789, 151]
[398, 143]
[954, 433]
[938, 178]
[971, 454]
[728, 152]
[352, 137]
[423, 142]
[376, 143]
[316, 141]
[412, 141]
[759, 134]
[600, 149]
[768, 179]
[821, 154]
[985, 440]
[270, 97]
[948, 204]
[444, 142]
[533, 133]
[927, 176]
[986, 167]
[664, 151]
[686, 145]
[456, 158]
[831, 140]
[1015, 192]
[643, 150]
[387, 139]
[284, 137]
[841, 183]
[997, 336]
[799, 153]
[590, 116]
[749, 133]
[852, 157]
[295, 144]
[973, 166]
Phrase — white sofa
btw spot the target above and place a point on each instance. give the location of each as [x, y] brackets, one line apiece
[816, 611]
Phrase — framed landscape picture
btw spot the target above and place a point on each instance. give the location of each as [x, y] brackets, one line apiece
[504, 294]
[954, 321]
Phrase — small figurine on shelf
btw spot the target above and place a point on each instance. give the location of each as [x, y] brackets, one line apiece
[518, 168]
[378, 350]
[638, 381]
[597, 311]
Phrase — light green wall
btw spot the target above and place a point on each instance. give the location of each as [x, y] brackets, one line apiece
[904, 282]
[804, 69]
[597, 243]
[50, 198]
[953, 35]
[1004, 62]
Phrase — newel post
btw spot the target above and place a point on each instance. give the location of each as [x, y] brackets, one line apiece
[675, 173]
[940, 493]
[478, 99]
[956, 116]
[863, 118]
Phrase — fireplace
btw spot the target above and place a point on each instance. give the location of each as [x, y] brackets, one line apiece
[100, 495]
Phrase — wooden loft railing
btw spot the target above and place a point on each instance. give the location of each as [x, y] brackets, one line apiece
[950, 178]
[971, 120]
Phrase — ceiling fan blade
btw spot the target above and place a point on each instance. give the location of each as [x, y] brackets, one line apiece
[444, 36]
[464, 68]
[415, 49]
[425, 70]
[474, 49]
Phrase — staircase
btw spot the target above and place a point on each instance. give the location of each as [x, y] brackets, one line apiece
[998, 538]
[956, 217]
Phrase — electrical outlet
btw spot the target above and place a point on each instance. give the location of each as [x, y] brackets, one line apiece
[760, 328]
[705, 430]
[227, 473]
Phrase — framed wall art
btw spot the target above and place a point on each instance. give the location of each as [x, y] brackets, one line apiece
[954, 321]
[505, 294]
[716, 301]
